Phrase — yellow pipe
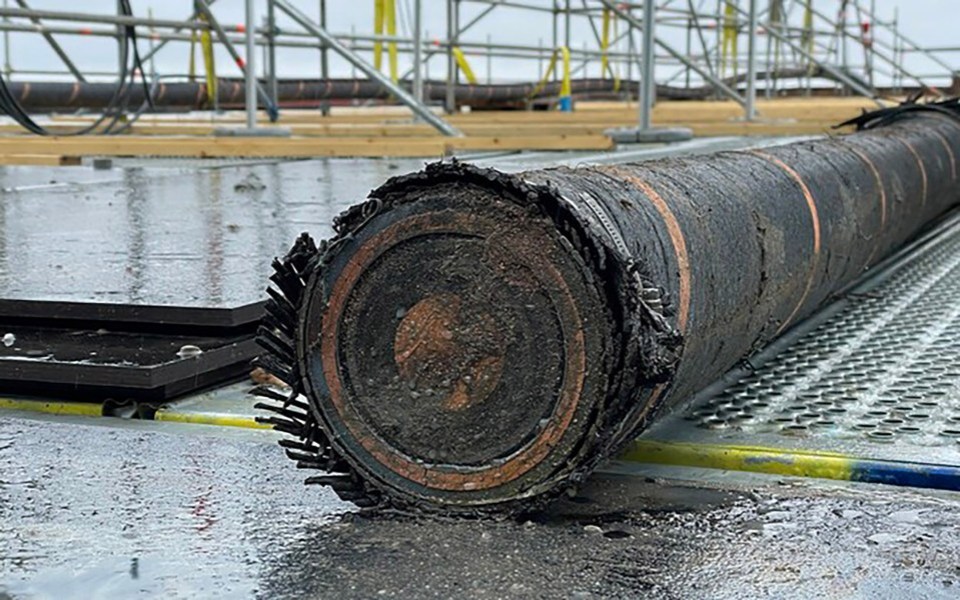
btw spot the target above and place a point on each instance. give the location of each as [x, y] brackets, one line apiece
[94, 409]
[546, 75]
[209, 65]
[807, 34]
[566, 92]
[565, 85]
[86, 409]
[777, 461]
[615, 67]
[730, 35]
[209, 419]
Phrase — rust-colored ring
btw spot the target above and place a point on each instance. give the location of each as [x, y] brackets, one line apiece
[946, 146]
[463, 478]
[923, 169]
[815, 221]
[677, 239]
[883, 198]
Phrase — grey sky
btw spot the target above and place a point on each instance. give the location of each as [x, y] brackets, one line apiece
[929, 22]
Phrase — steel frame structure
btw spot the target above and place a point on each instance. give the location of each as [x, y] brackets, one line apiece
[855, 48]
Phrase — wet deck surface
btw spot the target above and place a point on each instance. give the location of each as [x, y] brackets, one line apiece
[175, 235]
[119, 512]
[107, 508]
[194, 232]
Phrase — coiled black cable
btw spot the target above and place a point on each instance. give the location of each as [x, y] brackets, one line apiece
[885, 116]
[116, 107]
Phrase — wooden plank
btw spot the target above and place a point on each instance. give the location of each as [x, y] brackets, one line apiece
[521, 130]
[826, 109]
[377, 130]
[761, 128]
[289, 147]
[390, 132]
[590, 123]
[530, 124]
[45, 160]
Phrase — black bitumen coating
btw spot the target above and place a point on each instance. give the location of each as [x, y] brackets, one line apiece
[144, 509]
[187, 236]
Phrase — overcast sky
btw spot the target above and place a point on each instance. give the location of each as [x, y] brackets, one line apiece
[928, 22]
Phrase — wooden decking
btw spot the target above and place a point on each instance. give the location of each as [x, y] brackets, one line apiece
[390, 131]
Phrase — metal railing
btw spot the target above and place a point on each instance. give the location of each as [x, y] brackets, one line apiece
[698, 42]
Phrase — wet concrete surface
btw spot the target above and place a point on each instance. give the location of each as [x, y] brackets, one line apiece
[107, 508]
[89, 511]
[178, 235]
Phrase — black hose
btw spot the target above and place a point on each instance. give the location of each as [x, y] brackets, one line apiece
[117, 105]
[885, 116]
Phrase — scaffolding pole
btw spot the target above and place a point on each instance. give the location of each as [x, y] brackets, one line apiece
[418, 51]
[450, 103]
[648, 86]
[716, 82]
[204, 8]
[250, 72]
[350, 56]
[54, 45]
[751, 107]
[272, 49]
[833, 71]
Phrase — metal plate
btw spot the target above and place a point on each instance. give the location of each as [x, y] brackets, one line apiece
[167, 317]
[875, 375]
[91, 365]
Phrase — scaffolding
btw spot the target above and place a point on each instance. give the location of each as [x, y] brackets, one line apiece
[738, 49]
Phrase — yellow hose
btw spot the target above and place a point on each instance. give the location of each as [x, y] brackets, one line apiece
[565, 87]
[464, 65]
[209, 65]
[730, 35]
[390, 16]
[378, 31]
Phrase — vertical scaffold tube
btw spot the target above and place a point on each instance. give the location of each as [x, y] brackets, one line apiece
[479, 342]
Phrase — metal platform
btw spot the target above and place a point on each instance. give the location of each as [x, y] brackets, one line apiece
[139, 316]
[95, 364]
[96, 352]
[868, 389]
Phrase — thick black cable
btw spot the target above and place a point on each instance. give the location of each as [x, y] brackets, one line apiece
[885, 116]
[137, 62]
[117, 105]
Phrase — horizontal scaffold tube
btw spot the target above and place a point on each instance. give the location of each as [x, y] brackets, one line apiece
[54, 95]
[476, 341]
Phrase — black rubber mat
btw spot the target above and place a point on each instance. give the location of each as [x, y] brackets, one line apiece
[97, 364]
[131, 316]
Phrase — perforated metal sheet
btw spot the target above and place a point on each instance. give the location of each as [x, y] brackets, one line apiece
[875, 375]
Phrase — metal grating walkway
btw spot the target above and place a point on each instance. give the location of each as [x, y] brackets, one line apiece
[874, 378]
